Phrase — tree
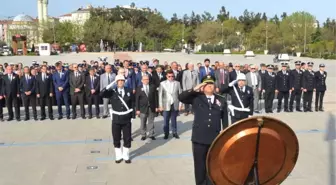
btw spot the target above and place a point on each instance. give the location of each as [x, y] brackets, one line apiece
[209, 33]
[258, 35]
[206, 16]
[223, 14]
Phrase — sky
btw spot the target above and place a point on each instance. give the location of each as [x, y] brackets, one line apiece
[321, 9]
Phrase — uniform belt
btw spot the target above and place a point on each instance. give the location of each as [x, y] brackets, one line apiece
[233, 108]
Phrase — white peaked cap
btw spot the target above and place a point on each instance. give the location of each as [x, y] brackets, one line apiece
[241, 76]
[120, 77]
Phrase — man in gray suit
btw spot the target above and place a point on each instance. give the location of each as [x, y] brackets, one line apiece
[77, 81]
[253, 79]
[221, 76]
[105, 79]
[169, 91]
[190, 79]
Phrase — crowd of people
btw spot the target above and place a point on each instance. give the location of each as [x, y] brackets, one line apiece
[78, 84]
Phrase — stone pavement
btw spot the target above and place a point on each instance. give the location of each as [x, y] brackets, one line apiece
[80, 152]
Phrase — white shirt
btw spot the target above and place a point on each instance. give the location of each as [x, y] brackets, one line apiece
[243, 88]
[121, 92]
[146, 89]
[170, 86]
[254, 79]
[212, 97]
[43, 76]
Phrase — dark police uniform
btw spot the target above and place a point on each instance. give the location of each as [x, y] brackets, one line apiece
[282, 85]
[262, 76]
[320, 86]
[120, 123]
[295, 85]
[208, 114]
[308, 83]
[246, 97]
[269, 86]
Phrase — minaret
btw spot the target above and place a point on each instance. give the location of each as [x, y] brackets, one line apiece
[40, 11]
[45, 10]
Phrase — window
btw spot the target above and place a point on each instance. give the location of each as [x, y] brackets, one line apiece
[44, 48]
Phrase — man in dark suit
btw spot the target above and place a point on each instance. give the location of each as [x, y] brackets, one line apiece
[122, 103]
[146, 103]
[28, 92]
[61, 84]
[11, 92]
[158, 76]
[143, 72]
[210, 110]
[92, 87]
[1, 97]
[282, 87]
[296, 87]
[308, 85]
[233, 74]
[268, 86]
[77, 81]
[45, 92]
[241, 95]
[320, 86]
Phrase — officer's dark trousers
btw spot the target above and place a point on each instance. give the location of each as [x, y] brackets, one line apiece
[281, 95]
[29, 100]
[77, 98]
[10, 100]
[319, 99]
[46, 100]
[269, 97]
[307, 100]
[125, 129]
[296, 95]
[235, 119]
[200, 152]
[65, 97]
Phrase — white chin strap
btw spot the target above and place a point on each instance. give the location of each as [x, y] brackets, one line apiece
[233, 108]
[122, 100]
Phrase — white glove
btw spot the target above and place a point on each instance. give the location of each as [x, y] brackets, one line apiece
[232, 83]
[249, 116]
[109, 86]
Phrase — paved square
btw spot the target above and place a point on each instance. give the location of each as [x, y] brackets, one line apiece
[80, 152]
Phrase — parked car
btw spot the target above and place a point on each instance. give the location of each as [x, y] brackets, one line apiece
[281, 58]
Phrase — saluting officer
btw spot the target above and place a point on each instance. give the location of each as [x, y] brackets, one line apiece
[282, 86]
[308, 85]
[209, 110]
[296, 87]
[268, 86]
[122, 103]
[241, 98]
[320, 82]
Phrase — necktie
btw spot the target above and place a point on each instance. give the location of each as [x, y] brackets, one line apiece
[146, 90]
[10, 77]
[60, 74]
[108, 79]
[43, 77]
[92, 82]
[209, 101]
[121, 94]
[27, 78]
[241, 90]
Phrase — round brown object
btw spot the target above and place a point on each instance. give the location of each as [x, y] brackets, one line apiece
[232, 154]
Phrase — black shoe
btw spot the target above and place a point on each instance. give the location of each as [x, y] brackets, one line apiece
[321, 109]
[131, 138]
[42, 119]
[310, 110]
[74, 117]
[143, 138]
[165, 136]
[68, 117]
[128, 161]
[9, 119]
[1, 119]
[278, 110]
[26, 119]
[286, 110]
[83, 117]
[152, 138]
[298, 110]
[98, 117]
[270, 112]
[51, 118]
[35, 119]
[316, 110]
[18, 119]
[104, 117]
[90, 117]
[60, 117]
[176, 136]
[257, 112]
[291, 110]
[305, 110]
[118, 161]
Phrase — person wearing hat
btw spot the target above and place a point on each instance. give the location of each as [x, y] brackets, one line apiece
[121, 114]
[268, 86]
[303, 66]
[241, 99]
[262, 73]
[295, 81]
[320, 85]
[308, 85]
[282, 87]
[210, 109]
